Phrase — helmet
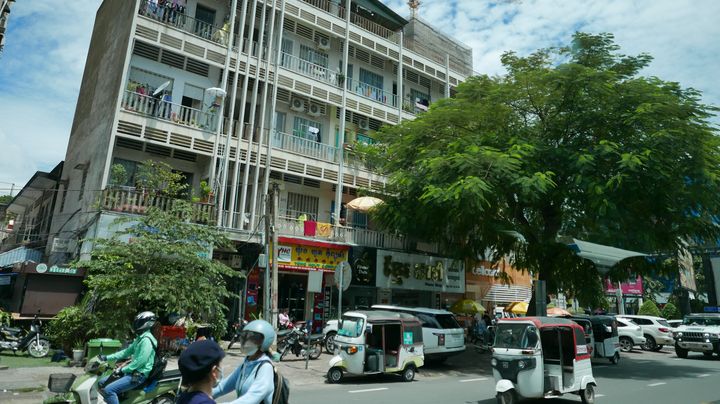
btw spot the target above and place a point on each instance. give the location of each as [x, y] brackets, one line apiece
[261, 332]
[144, 321]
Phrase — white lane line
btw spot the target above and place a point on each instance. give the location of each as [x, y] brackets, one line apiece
[480, 379]
[368, 390]
[599, 395]
[704, 375]
[656, 384]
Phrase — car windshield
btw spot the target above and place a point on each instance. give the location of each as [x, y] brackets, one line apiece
[447, 321]
[351, 327]
[697, 320]
[514, 336]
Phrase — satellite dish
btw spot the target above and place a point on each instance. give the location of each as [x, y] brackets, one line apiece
[345, 269]
[161, 88]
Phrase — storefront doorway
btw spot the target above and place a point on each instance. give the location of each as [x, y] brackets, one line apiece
[292, 293]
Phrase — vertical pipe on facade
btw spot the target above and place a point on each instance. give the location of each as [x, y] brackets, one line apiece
[223, 85]
[241, 121]
[401, 93]
[447, 76]
[273, 118]
[343, 112]
[253, 109]
[256, 179]
[231, 124]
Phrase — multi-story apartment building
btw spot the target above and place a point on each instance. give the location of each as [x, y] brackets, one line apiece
[243, 93]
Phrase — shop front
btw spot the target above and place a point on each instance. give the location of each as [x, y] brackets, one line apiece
[484, 284]
[305, 280]
[632, 292]
[362, 293]
[45, 290]
[416, 280]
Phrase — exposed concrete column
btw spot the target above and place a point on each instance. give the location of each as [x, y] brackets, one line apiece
[401, 93]
[221, 219]
[447, 76]
[241, 120]
[343, 113]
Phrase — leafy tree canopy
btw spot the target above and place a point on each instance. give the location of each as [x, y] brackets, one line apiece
[649, 308]
[572, 141]
[158, 262]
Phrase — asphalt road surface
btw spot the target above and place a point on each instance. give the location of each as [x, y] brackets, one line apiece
[641, 377]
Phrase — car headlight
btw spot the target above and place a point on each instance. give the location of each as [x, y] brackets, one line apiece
[706, 335]
[522, 364]
[679, 334]
[493, 362]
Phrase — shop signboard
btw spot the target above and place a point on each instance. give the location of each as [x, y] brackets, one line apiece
[687, 270]
[311, 256]
[397, 270]
[632, 287]
[363, 260]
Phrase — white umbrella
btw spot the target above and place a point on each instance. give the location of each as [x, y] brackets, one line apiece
[364, 203]
[162, 87]
[215, 92]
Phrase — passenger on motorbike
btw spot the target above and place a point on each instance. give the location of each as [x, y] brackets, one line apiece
[253, 381]
[142, 352]
[201, 371]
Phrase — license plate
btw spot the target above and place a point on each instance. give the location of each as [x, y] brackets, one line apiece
[505, 365]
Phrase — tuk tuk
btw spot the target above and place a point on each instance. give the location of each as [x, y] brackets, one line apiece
[537, 357]
[375, 342]
[607, 341]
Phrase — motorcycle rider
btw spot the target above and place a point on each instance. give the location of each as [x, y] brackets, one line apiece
[142, 351]
[253, 382]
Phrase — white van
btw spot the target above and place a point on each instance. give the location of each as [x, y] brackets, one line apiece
[443, 336]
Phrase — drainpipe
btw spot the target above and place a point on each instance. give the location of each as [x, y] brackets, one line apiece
[223, 84]
[343, 114]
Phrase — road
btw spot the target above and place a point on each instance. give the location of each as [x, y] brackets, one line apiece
[641, 377]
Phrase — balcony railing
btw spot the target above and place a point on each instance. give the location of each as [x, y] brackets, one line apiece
[334, 8]
[305, 147]
[373, 93]
[309, 69]
[183, 22]
[415, 106]
[370, 238]
[138, 202]
[168, 111]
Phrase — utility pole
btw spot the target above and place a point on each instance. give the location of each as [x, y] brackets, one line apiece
[275, 211]
[269, 258]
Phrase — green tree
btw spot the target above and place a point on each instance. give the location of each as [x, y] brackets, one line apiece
[160, 178]
[5, 199]
[157, 262]
[649, 308]
[570, 142]
[670, 312]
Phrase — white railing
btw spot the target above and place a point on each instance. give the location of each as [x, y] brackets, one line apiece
[183, 22]
[168, 111]
[305, 147]
[309, 69]
[373, 93]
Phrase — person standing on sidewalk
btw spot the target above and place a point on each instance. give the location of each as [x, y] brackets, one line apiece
[142, 351]
[200, 366]
[254, 380]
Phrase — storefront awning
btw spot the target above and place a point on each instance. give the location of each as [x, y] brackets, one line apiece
[604, 257]
[20, 254]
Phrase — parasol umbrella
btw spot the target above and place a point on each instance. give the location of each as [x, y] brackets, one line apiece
[364, 203]
[517, 308]
[467, 306]
[215, 92]
[557, 312]
[162, 87]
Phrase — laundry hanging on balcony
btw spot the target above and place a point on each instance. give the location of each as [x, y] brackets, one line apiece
[324, 229]
[310, 228]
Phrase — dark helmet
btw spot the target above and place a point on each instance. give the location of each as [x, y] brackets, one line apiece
[144, 321]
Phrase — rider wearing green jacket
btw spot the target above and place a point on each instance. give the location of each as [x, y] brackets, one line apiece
[142, 352]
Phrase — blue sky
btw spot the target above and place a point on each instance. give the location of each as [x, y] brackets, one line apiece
[42, 65]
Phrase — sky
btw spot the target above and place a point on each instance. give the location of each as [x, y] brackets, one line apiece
[42, 64]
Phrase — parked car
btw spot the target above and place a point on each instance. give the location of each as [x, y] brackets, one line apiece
[675, 323]
[699, 332]
[631, 334]
[443, 336]
[656, 331]
[330, 331]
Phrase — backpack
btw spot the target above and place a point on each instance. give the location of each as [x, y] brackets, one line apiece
[159, 364]
[281, 393]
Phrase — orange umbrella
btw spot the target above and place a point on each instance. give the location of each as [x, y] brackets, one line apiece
[557, 312]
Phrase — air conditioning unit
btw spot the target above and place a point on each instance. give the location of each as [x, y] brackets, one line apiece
[323, 43]
[363, 123]
[314, 109]
[297, 104]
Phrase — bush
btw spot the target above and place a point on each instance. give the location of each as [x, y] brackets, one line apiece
[649, 308]
[70, 327]
[670, 312]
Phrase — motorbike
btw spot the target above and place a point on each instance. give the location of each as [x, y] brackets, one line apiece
[238, 327]
[17, 339]
[160, 388]
[299, 342]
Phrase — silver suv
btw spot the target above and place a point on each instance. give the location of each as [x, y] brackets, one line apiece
[698, 333]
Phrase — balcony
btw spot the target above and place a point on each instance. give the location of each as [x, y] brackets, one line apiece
[138, 202]
[305, 147]
[368, 25]
[372, 93]
[184, 22]
[168, 111]
[317, 72]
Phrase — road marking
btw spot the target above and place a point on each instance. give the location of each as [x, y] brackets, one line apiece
[480, 379]
[599, 395]
[704, 375]
[656, 384]
[367, 390]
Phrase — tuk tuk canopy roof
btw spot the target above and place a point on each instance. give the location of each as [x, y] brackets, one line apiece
[543, 322]
[382, 315]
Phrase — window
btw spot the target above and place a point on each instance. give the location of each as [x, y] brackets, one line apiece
[280, 121]
[64, 197]
[204, 21]
[304, 128]
[663, 323]
[130, 168]
[418, 96]
[447, 321]
[352, 327]
[83, 183]
[193, 96]
[371, 79]
[299, 204]
[313, 56]
[287, 49]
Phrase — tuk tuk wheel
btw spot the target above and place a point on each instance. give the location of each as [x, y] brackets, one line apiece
[335, 375]
[408, 374]
[588, 395]
[506, 397]
[615, 359]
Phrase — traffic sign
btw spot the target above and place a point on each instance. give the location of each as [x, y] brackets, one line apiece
[343, 273]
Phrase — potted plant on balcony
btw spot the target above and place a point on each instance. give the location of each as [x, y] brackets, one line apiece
[206, 194]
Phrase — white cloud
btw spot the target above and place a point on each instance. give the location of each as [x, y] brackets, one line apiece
[42, 65]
